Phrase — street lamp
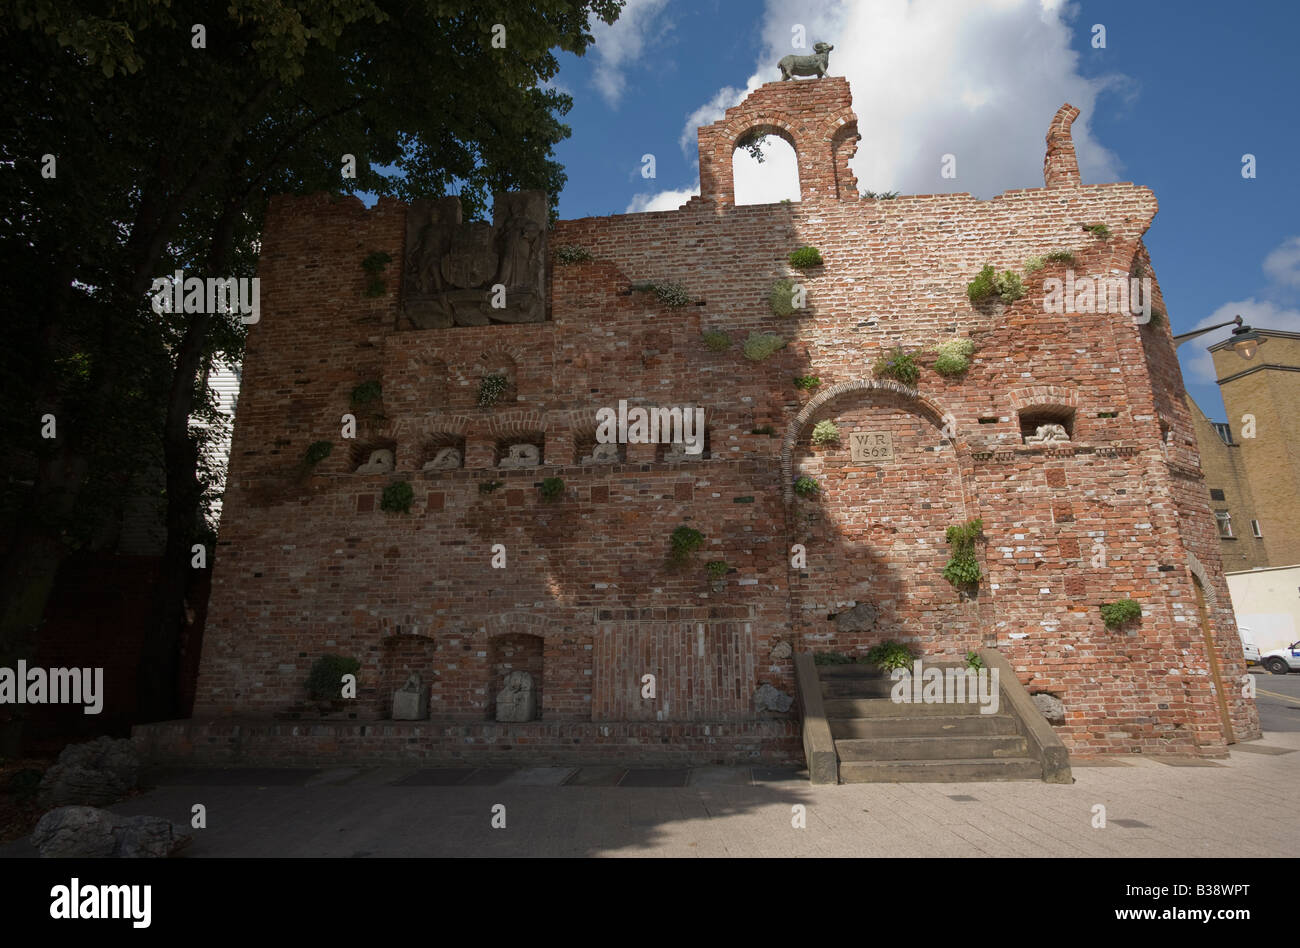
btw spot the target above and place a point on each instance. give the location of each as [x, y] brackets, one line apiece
[1245, 341]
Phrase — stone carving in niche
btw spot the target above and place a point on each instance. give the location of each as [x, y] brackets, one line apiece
[451, 266]
[517, 701]
[445, 460]
[1048, 434]
[602, 454]
[520, 456]
[381, 462]
[411, 701]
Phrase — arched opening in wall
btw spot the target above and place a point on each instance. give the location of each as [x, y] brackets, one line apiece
[876, 492]
[1040, 424]
[588, 451]
[1212, 655]
[515, 652]
[765, 167]
[442, 451]
[676, 452]
[378, 456]
[527, 449]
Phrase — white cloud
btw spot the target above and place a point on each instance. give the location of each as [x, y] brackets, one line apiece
[662, 201]
[617, 47]
[1261, 314]
[1283, 263]
[936, 77]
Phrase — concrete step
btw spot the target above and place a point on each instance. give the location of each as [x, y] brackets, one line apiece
[825, 672]
[940, 771]
[948, 747]
[884, 708]
[857, 688]
[923, 725]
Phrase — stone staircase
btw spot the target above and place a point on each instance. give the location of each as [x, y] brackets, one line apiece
[876, 740]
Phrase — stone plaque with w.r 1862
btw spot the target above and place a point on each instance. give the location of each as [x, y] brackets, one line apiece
[868, 446]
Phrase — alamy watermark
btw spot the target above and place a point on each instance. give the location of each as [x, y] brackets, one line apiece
[180, 294]
[946, 685]
[682, 425]
[56, 686]
[1100, 294]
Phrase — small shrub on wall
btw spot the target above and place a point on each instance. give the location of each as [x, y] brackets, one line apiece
[963, 569]
[761, 345]
[397, 498]
[716, 341]
[490, 390]
[825, 432]
[806, 487]
[325, 680]
[898, 365]
[805, 257]
[787, 297]
[684, 542]
[1115, 614]
[954, 357]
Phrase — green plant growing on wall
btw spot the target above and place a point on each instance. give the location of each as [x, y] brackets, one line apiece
[487, 487]
[716, 341]
[1098, 230]
[684, 542]
[825, 432]
[760, 345]
[1115, 614]
[317, 451]
[491, 388]
[807, 382]
[806, 487]
[764, 430]
[1060, 256]
[831, 658]
[898, 365]
[963, 569]
[974, 661]
[325, 680]
[805, 257]
[552, 488]
[366, 393]
[670, 294]
[784, 296]
[880, 195]
[1034, 264]
[1157, 316]
[397, 497]
[374, 265]
[890, 655]
[988, 283]
[571, 253]
[954, 357]
[716, 569]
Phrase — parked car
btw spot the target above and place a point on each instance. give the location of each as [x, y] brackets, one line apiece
[1283, 660]
[1248, 646]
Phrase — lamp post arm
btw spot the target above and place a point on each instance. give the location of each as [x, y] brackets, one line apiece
[1184, 337]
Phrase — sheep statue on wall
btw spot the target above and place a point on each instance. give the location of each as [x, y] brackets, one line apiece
[817, 65]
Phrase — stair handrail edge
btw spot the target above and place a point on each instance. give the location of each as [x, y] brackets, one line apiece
[1042, 739]
[818, 745]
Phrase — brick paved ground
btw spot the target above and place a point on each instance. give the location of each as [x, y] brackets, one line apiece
[1245, 806]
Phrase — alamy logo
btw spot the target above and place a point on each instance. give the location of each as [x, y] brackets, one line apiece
[682, 425]
[179, 294]
[947, 685]
[1098, 295]
[103, 901]
[56, 686]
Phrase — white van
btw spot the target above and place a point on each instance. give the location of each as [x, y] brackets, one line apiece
[1248, 646]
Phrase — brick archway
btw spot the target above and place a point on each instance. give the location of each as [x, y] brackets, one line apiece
[928, 408]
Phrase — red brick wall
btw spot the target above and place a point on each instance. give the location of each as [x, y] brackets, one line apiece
[312, 565]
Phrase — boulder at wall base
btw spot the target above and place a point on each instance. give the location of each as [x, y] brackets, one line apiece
[767, 698]
[86, 832]
[1051, 708]
[99, 772]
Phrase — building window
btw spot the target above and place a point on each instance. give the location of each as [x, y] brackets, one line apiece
[1216, 493]
[1225, 432]
[1254, 528]
[1225, 523]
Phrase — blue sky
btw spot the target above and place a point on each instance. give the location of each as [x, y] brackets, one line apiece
[1178, 95]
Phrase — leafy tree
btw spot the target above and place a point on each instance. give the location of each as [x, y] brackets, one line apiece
[165, 156]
